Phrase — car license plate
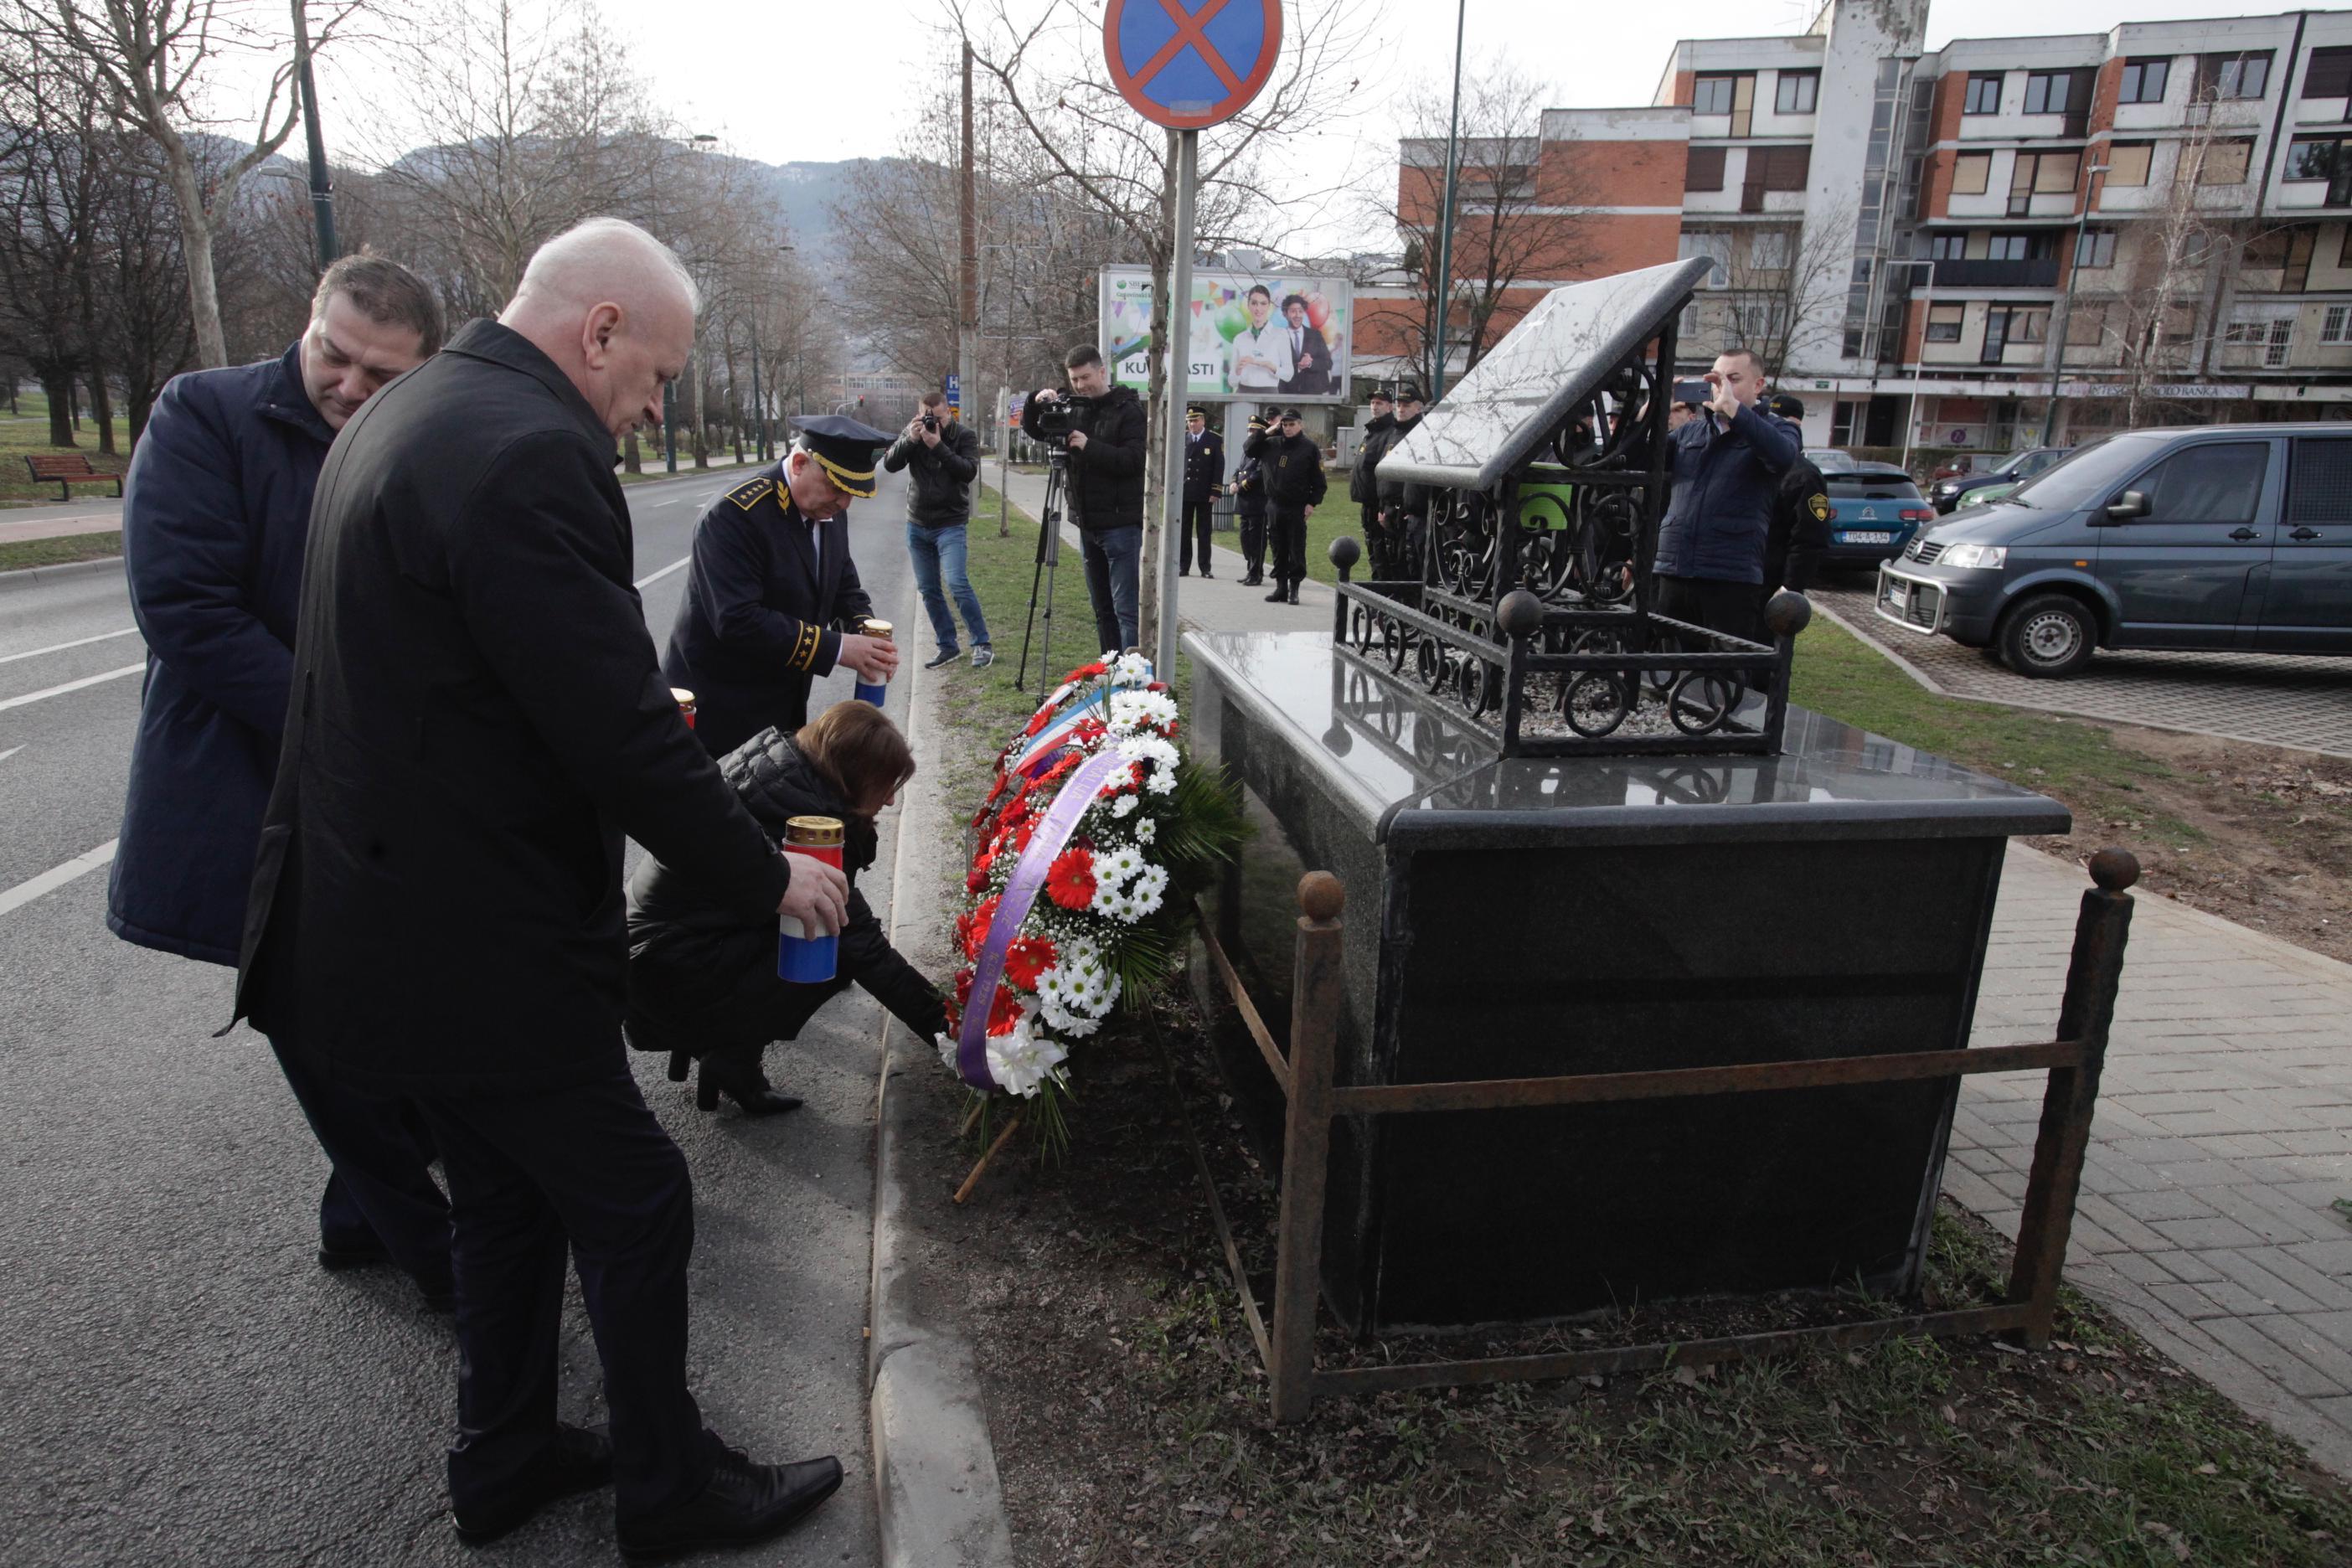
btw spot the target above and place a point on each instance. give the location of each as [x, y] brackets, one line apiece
[1866, 536]
[1896, 596]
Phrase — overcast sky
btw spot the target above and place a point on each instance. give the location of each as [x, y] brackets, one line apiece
[822, 79]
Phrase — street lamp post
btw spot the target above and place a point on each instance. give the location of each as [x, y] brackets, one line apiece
[2059, 328]
[1446, 213]
[322, 190]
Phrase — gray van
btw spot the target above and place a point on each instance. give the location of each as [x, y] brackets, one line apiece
[2224, 536]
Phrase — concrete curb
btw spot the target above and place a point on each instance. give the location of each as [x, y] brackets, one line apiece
[41, 576]
[936, 1492]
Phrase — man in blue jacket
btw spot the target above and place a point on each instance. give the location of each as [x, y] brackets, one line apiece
[216, 513]
[1726, 467]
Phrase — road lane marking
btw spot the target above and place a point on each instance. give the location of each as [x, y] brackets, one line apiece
[73, 686]
[78, 642]
[10, 753]
[665, 572]
[48, 881]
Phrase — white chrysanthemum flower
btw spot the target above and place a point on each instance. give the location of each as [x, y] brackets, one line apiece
[1123, 806]
[946, 1044]
[1129, 669]
[1151, 885]
[1132, 710]
[1146, 830]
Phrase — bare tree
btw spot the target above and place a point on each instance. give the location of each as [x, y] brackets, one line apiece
[1043, 60]
[1773, 300]
[2176, 255]
[54, 171]
[152, 63]
[1503, 241]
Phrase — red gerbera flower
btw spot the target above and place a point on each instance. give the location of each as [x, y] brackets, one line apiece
[1070, 880]
[1026, 959]
[994, 790]
[1004, 1012]
[1021, 836]
[1038, 722]
[976, 879]
[1087, 671]
[975, 932]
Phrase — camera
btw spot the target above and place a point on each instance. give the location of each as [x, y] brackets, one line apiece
[1053, 417]
[931, 423]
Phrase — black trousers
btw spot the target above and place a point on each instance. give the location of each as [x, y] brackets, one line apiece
[1729, 607]
[380, 1189]
[1290, 543]
[585, 1168]
[1252, 531]
[1197, 519]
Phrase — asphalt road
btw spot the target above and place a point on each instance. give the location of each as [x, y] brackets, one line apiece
[181, 1382]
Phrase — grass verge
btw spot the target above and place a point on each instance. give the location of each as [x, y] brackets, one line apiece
[26, 552]
[27, 434]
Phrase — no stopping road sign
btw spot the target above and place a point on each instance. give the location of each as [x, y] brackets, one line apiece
[1186, 64]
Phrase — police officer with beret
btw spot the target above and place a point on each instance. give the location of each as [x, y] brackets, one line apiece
[772, 599]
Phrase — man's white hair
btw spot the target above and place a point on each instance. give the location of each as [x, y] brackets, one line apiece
[601, 259]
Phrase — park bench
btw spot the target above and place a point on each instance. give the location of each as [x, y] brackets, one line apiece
[66, 470]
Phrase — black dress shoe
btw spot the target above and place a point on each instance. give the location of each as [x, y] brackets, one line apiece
[354, 1254]
[1294, 590]
[747, 1089]
[743, 1503]
[579, 1460]
[1276, 597]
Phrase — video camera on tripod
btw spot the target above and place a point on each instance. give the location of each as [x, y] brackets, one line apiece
[1053, 422]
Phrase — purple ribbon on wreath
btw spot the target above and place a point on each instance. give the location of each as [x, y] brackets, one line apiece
[1054, 831]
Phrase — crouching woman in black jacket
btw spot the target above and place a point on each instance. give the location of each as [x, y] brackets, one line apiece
[702, 972]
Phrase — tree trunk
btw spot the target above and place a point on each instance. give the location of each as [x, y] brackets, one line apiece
[141, 404]
[196, 246]
[630, 460]
[101, 412]
[59, 387]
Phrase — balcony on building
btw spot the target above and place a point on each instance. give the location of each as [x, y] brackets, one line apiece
[2042, 273]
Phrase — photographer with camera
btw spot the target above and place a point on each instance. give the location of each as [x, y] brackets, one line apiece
[1101, 430]
[945, 455]
[1728, 464]
[1249, 503]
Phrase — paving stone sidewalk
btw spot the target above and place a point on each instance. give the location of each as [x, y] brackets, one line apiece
[2224, 1126]
[2271, 699]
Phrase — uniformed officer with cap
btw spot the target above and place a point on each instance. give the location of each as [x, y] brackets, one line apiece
[1798, 534]
[772, 596]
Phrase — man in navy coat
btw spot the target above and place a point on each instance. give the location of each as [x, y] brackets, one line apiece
[1727, 466]
[772, 599]
[215, 514]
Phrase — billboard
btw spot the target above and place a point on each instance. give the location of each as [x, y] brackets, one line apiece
[1256, 337]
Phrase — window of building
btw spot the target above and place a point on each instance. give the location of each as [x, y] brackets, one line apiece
[2095, 248]
[2087, 327]
[1971, 172]
[2006, 248]
[1713, 244]
[2264, 327]
[2233, 76]
[1796, 92]
[2226, 162]
[2047, 174]
[2329, 75]
[1984, 93]
[2335, 327]
[2128, 162]
[2045, 91]
[2328, 158]
[1768, 248]
[1947, 247]
[1713, 94]
[2026, 324]
[1758, 320]
[1703, 171]
[2144, 82]
[1944, 322]
[1779, 168]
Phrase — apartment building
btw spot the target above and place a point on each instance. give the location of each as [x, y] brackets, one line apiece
[2154, 222]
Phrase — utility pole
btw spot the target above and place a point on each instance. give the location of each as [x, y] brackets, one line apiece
[968, 261]
[1445, 213]
[322, 189]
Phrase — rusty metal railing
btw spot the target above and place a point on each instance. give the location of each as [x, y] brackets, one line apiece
[1313, 1100]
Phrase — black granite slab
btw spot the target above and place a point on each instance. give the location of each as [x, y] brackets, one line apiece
[1530, 917]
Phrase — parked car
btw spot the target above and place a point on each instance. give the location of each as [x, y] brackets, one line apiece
[2230, 536]
[1949, 492]
[1831, 459]
[1874, 508]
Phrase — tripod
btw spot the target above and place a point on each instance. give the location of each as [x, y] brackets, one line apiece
[1049, 556]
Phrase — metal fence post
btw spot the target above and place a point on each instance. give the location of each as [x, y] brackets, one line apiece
[1316, 1000]
[2093, 973]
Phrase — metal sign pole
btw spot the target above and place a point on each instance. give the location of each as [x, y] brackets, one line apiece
[1180, 393]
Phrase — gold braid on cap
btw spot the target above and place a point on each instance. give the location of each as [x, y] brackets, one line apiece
[846, 481]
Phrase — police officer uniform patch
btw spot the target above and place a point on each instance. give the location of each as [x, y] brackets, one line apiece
[751, 492]
[1820, 505]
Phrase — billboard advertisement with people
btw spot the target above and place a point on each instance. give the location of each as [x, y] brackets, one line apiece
[1255, 336]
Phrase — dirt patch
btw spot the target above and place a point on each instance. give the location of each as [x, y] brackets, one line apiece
[1128, 1409]
[2258, 835]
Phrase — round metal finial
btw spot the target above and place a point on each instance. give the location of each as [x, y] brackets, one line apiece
[1345, 552]
[1519, 614]
[1320, 895]
[1787, 613]
[2115, 870]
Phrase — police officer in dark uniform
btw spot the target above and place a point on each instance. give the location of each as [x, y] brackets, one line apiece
[1364, 485]
[1204, 482]
[1403, 506]
[1798, 534]
[772, 599]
